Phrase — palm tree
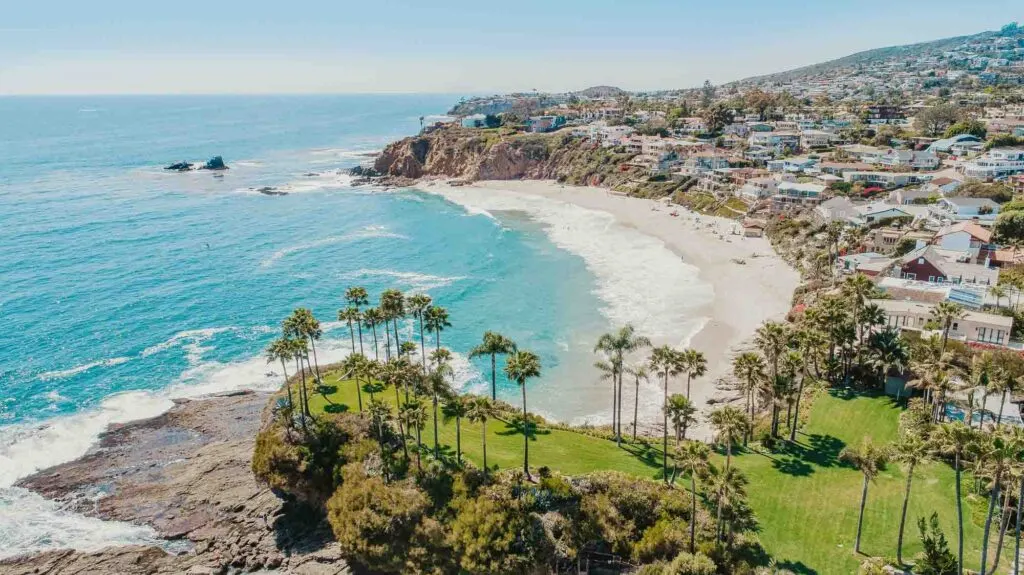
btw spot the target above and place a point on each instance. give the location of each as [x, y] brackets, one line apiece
[772, 338]
[437, 386]
[946, 314]
[418, 304]
[638, 372]
[302, 323]
[350, 315]
[371, 319]
[730, 425]
[480, 410]
[955, 439]
[692, 456]
[912, 450]
[1001, 450]
[300, 351]
[729, 488]
[281, 350]
[520, 367]
[694, 365]
[889, 351]
[493, 344]
[664, 361]
[380, 414]
[455, 407]
[435, 319]
[748, 367]
[609, 372]
[998, 291]
[616, 345]
[356, 367]
[393, 373]
[357, 297]
[869, 460]
[858, 288]
[680, 411]
[415, 413]
[392, 304]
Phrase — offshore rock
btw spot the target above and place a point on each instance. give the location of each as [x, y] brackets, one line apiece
[214, 163]
[180, 167]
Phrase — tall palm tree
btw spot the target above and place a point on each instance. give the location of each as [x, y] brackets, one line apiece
[664, 361]
[479, 411]
[520, 366]
[300, 351]
[281, 350]
[616, 345]
[417, 304]
[393, 373]
[693, 456]
[946, 314]
[355, 366]
[302, 323]
[748, 367]
[857, 288]
[371, 319]
[435, 318]
[609, 372]
[955, 439]
[912, 450]
[456, 407]
[638, 371]
[730, 425]
[772, 338]
[680, 412]
[493, 344]
[1001, 450]
[380, 414]
[869, 460]
[694, 365]
[998, 291]
[415, 413]
[349, 315]
[393, 302]
[357, 297]
[437, 386]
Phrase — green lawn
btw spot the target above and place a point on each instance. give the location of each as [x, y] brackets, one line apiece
[805, 500]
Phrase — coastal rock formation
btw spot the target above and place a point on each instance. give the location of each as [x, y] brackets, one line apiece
[214, 163]
[187, 474]
[180, 167]
[467, 154]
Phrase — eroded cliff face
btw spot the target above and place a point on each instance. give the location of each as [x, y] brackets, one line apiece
[488, 155]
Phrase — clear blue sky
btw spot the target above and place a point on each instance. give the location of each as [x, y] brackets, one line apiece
[235, 46]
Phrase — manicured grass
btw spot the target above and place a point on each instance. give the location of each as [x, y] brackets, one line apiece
[805, 500]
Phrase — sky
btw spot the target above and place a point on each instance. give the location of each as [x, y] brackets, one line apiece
[447, 46]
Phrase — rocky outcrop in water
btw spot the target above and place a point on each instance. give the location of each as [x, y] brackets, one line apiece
[187, 474]
[180, 167]
[214, 163]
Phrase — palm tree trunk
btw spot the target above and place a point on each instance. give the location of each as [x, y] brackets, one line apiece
[458, 440]
[1002, 403]
[860, 518]
[526, 435]
[387, 341]
[419, 449]
[959, 516]
[359, 392]
[316, 363]
[437, 447]
[1016, 538]
[423, 345]
[437, 342]
[287, 388]
[352, 335]
[693, 511]
[359, 325]
[903, 517]
[687, 385]
[664, 443]
[398, 343]
[494, 376]
[376, 349]
[302, 404]
[618, 429]
[988, 522]
[796, 415]
[1005, 521]
[484, 436]
[636, 407]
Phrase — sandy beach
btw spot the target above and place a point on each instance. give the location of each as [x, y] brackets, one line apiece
[744, 295]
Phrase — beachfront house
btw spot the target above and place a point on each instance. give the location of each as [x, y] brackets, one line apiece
[965, 237]
[793, 195]
[960, 208]
[816, 139]
[909, 159]
[931, 264]
[995, 164]
[886, 179]
[945, 145]
[975, 327]
[837, 209]
[756, 189]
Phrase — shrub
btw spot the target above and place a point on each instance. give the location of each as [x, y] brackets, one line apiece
[663, 540]
[495, 533]
[687, 564]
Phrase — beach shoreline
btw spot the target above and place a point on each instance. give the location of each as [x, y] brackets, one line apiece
[744, 294]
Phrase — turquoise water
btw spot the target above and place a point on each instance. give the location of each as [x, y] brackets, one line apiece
[124, 286]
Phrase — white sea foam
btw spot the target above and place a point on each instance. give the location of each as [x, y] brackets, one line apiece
[191, 336]
[410, 280]
[29, 523]
[65, 373]
[365, 233]
[639, 279]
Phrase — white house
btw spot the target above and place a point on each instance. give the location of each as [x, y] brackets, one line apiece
[967, 237]
[997, 163]
[909, 158]
[960, 209]
[866, 154]
[838, 209]
[815, 139]
[758, 188]
[877, 211]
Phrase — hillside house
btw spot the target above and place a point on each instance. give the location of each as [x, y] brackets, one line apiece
[933, 265]
[995, 164]
[958, 209]
[975, 327]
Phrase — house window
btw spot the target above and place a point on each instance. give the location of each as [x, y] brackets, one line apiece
[999, 336]
[981, 334]
[931, 279]
[956, 326]
[910, 276]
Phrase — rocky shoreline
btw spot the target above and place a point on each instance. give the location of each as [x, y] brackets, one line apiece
[187, 474]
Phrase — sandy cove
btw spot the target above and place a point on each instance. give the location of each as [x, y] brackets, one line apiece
[745, 295]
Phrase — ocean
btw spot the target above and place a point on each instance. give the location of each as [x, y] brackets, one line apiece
[125, 286]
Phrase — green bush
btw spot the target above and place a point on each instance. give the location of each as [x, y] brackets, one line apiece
[663, 540]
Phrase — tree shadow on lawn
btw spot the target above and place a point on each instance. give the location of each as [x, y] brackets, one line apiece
[645, 453]
[515, 427]
[797, 567]
[335, 408]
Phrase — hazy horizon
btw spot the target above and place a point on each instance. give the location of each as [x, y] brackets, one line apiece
[461, 47]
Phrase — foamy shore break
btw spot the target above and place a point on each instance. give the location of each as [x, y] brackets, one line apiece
[743, 295]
